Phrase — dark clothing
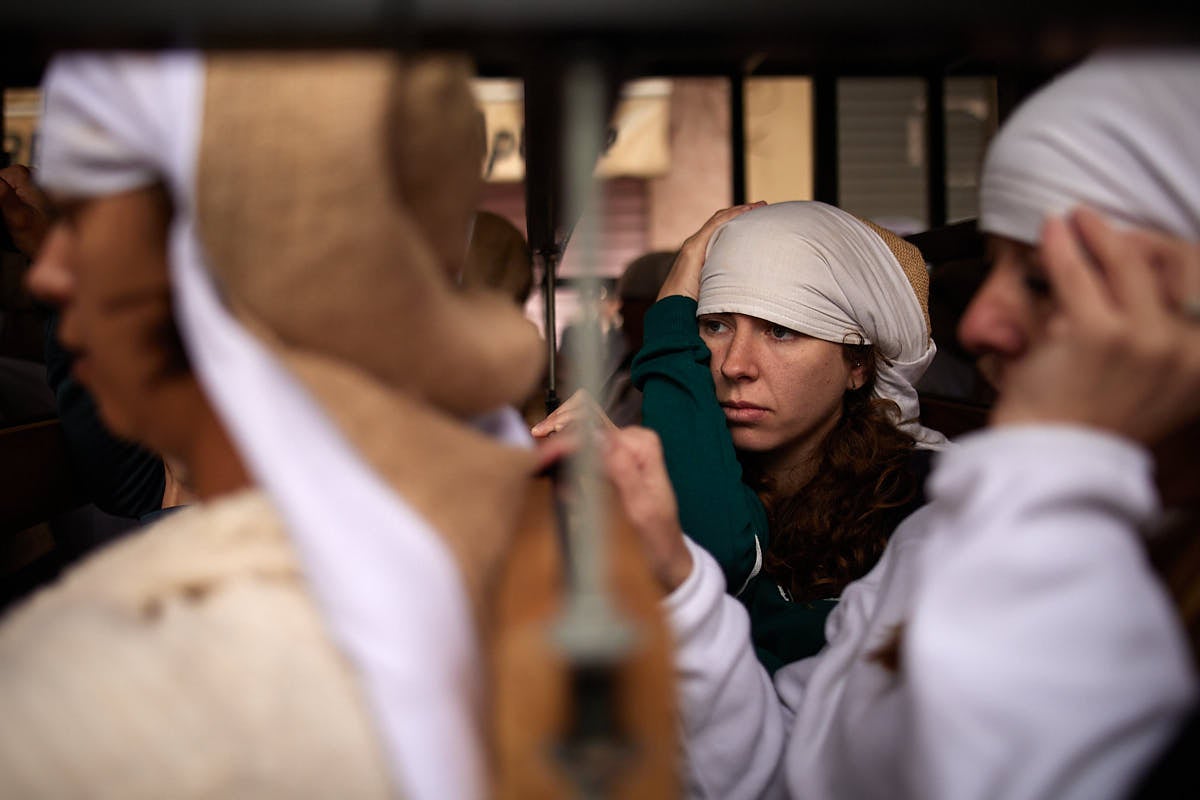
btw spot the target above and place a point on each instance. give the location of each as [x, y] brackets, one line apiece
[717, 509]
[121, 478]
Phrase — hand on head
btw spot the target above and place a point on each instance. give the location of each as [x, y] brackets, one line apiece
[684, 277]
[1122, 350]
[24, 208]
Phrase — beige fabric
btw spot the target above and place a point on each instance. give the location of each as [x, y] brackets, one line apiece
[467, 485]
[346, 249]
[184, 662]
[305, 236]
[913, 264]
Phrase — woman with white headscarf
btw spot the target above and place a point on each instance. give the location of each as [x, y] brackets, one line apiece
[778, 370]
[1013, 641]
[322, 635]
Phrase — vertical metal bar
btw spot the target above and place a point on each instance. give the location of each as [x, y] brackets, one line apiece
[5, 157]
[590, 630]
[549, 262]
[935, 148]
[541, 135]
[590, 633]
[825, 138]
[737, 136]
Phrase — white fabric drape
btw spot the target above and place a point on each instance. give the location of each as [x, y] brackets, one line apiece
[386, 583]
[1118, 134]
[815, 269]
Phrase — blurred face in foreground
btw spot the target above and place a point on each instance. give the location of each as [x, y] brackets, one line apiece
[1007, 318]
[103, 265]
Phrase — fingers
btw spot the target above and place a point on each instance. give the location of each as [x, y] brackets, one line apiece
[23, 209]
[578, 407]
[1175, 263]
[558, 419]
[699, 240]
[634, 463]
[552, 449]
[16, 213]
[1077, 285]
[684, 277]
[1127, 267]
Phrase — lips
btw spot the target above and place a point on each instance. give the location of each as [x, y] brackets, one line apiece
[743, 413]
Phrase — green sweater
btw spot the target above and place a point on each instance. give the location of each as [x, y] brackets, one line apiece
[717, 510]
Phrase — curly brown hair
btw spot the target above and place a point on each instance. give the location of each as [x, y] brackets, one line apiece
[834, 529]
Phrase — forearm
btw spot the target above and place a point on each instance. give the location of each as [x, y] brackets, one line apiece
[717, 510]
[732, 722]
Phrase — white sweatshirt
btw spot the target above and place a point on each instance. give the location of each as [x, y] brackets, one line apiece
[1040, 656]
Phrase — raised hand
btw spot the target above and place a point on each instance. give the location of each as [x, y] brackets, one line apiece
[1122, 350]
[684, 277]
[24, 209]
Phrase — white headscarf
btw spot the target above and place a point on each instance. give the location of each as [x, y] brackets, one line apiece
[815, 269]
[1120, 133]
[393, 598]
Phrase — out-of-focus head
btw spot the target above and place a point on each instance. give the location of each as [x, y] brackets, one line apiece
[644, 276]
[321, 202]
[361, 252]
[637, 289]
[498, 258]
[1116, 133]
[103, 265]
[819, 272]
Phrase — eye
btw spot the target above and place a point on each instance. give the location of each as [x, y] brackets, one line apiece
[782, 334]
[712, 327]
[1037, 285]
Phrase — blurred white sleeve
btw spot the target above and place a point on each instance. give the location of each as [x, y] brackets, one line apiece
[733, 727]
[1042, 658]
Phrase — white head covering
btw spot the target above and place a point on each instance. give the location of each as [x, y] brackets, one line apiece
[393, 599]
[815, 269]
[1120, 133]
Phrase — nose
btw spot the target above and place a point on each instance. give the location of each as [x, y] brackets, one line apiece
[997, 319]
[739, 362]
[50, 279]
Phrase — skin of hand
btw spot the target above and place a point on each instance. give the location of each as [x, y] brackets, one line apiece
[175, 486]
[684, 277]
[579, 406]
[24, 208]
[1117, 354]
[633, 460]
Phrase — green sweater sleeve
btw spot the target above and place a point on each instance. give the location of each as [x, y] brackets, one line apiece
[717, 510]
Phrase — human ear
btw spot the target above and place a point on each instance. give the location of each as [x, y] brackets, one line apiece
[857, 375]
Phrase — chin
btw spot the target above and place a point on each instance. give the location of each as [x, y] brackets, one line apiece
[751, 440]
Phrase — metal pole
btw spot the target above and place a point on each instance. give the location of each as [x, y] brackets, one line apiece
[590, 633]
[549, 262]
[737, 135]
[825, 138]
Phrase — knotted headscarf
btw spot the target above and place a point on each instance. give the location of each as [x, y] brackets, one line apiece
[320, 204]
[820, 271]
[1117, 133]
